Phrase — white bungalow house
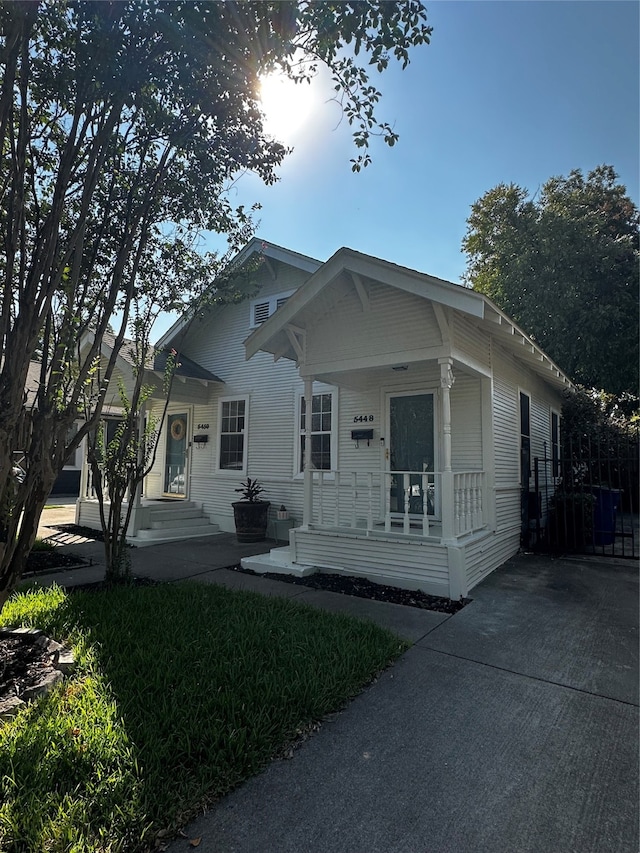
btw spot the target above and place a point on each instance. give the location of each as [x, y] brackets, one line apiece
[426, 405]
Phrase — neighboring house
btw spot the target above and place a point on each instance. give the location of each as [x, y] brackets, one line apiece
[68, 480]
[427, 404]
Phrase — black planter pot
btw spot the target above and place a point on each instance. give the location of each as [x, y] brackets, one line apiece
[251, 520]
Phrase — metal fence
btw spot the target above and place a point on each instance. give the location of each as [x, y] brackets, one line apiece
[586, 500]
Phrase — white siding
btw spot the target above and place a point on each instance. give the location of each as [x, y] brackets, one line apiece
[411, 565]
[466, 423]
[395, 323]
[484, 555]
[469, 340]
[216, 343]
[352, 405]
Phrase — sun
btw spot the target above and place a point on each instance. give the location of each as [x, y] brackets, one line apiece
[286, 106]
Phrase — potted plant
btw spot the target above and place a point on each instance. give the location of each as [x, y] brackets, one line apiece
[251, 513]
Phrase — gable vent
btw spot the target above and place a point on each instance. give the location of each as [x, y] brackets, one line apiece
[281, 301]
[260, 313]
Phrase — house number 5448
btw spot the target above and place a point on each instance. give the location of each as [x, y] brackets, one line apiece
[363, 419]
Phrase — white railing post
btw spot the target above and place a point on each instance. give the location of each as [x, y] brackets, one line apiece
[406, 524]
[388, 477]
[370, 498]
[425, 504]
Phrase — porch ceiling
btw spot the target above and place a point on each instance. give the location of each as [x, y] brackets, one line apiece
[425, 373]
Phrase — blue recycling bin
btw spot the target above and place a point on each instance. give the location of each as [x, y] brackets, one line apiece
[604, 514]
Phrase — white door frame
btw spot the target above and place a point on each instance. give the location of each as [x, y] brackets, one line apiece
[386, 462]
[179, 410]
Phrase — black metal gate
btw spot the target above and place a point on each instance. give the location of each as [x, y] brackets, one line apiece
[586, 501]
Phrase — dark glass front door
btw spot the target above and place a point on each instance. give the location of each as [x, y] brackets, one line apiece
[411, 449]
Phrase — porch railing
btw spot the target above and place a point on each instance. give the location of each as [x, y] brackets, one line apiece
[87, 486]
[468, 510]
[410, 503]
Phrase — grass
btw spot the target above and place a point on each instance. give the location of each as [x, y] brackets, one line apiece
[43, 545]
[181, 693]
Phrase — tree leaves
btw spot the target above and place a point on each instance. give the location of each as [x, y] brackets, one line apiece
[122, 127]
[564, 265]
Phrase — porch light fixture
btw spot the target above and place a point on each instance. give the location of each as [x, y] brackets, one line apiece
[400, 367]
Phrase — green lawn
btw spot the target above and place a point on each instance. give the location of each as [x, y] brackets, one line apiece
[181, 692]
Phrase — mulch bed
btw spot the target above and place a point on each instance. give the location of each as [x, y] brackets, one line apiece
[41, 562]
[363, 588]
[22, 661]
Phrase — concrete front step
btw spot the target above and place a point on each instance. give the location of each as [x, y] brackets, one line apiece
[277, 561]
[154, 536]
[169, 510]
[192, 518]
[168, 503]
[171, 521]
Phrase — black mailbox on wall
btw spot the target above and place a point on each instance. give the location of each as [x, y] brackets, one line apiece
[359, 435]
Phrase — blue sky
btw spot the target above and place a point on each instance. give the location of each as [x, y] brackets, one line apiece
[506, 92]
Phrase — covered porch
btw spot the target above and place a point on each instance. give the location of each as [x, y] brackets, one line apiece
[409, 518]
[409, 490]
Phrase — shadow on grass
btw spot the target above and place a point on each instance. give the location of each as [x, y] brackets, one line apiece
[182, 692]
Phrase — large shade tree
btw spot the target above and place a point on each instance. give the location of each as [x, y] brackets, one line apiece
[564, 264]
[121, 126]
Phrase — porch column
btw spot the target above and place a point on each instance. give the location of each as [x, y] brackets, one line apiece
[84, 479]
[84, 471]
[446, 382]
[307, 512]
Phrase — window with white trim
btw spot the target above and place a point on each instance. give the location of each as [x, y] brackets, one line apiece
[232, 446]
[323, 441]
[263, 307]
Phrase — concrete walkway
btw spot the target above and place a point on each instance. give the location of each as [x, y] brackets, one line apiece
[511, 727]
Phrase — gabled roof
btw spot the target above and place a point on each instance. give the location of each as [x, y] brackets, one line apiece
[33, 383]
[157, 360]
[186, 367]
[256, 246]
[357, 264]
[275, 335]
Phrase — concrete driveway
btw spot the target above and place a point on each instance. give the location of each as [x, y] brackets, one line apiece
[509, 727]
